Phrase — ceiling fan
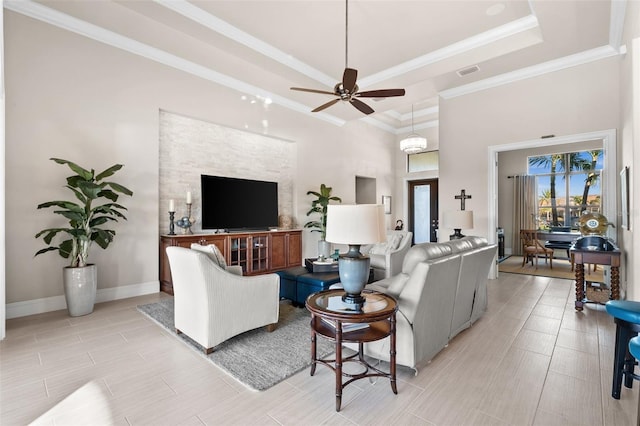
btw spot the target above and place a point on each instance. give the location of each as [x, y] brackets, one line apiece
[347, 90]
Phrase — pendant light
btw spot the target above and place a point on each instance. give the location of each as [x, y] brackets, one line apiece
[414, 142]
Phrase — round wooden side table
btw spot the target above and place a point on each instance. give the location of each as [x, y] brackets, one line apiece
[335, 320]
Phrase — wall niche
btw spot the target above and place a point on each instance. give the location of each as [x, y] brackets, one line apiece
[190, 147]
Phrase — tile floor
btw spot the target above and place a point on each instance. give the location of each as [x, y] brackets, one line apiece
[531, 360]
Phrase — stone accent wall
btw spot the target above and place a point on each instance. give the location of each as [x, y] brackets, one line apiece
[190, 148]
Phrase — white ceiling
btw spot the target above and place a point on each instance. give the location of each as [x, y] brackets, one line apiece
[263, 47]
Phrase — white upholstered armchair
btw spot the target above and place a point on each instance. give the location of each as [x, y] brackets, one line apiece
[387, 257]
[213, 304]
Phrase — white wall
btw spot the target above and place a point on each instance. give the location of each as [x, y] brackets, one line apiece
[74, 98]
[571, 101]
[630, 144]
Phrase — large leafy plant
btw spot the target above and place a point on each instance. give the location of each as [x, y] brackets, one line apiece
[86, 217]
[319, 206]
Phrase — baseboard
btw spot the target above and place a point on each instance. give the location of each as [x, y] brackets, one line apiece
[55, 303]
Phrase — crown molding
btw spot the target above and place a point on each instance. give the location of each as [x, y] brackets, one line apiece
[420, 113]
[426, 125]
[379, 124]
[216, 24]
[417, 113]
[576, 59]
[616, 22]
[491, 36]
[94, 32]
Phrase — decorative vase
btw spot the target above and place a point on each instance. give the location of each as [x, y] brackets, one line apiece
[80, 286]
[324, 249]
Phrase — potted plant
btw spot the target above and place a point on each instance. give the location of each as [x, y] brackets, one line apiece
[86, 225]
[319, 206]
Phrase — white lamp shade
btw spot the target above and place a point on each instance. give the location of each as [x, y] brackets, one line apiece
[355, 224]
[458, 219]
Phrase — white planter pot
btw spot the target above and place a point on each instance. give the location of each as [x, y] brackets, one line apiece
[80, 285]
[324, 249]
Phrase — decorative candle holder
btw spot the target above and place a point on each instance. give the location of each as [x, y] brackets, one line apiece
[171, 224]
[186, 222]
[192, 221]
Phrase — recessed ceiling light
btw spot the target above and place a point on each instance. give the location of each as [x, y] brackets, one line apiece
[495, 9]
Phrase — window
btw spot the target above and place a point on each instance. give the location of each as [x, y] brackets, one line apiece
[567, 184]
[423, 161]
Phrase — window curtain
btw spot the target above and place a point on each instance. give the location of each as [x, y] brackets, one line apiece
[524, 208]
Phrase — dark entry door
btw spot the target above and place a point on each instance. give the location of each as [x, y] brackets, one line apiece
[423, 210]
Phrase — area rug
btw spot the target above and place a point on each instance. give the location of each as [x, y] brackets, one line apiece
[257, 359]
[561, 269]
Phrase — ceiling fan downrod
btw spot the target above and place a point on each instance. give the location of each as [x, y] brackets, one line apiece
[346, 34]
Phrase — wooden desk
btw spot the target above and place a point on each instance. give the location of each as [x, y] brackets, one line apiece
[558, 236]
[611, 258]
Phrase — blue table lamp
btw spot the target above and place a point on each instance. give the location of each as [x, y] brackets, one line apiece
[355, 225]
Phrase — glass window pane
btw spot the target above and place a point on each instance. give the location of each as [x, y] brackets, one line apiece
[552, 199]
[579, 173]
[423, 161]
[422, 213]
[539, 164]
[585, 184]
[589, 160]
[544, 164]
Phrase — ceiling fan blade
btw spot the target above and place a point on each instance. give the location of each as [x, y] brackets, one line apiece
[361, 106]
[349, 79]
[301, 89]
[327, 105]
[384, 93]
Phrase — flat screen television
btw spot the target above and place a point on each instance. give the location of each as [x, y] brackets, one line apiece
[238, 204]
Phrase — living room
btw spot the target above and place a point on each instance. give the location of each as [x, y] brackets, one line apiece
[71, 96]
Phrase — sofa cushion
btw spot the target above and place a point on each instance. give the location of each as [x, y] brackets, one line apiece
[424, 251]
[392, 285]
[392, 243]
[377, 260]
[379, 248]
[477, 241]
[213, 252]
[458, 246]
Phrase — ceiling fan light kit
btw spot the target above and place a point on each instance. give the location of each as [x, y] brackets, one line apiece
[347, 90]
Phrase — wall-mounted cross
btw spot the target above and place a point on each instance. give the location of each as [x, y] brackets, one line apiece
[462, 197]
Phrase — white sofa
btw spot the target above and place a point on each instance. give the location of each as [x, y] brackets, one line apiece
[213, 304]
[441, 290]
[386, 257]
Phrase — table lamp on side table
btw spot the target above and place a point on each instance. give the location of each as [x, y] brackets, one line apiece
[458, 220]
[355, 225]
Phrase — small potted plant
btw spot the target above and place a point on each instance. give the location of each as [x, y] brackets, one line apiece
[86, 221]
[319, 206]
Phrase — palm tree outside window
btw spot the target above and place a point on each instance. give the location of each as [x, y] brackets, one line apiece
[567, 184]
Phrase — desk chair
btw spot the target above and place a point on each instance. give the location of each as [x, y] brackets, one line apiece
[533, 248]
